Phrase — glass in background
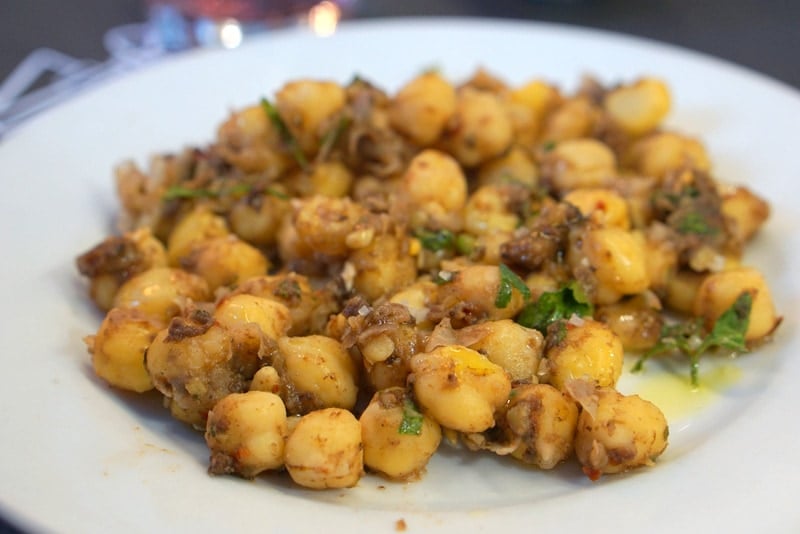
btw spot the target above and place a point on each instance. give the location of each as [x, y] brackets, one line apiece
[181, 24]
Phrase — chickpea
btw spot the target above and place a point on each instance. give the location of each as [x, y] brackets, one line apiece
[435, 184]
[515, 166]
[246, 433]
[621, 433]
[421, 109]
[544, 419]
[318, 373]
[587, 350]
[477, 286]
[639, 107]
[605, 206]
[309, 308]
[307, 108]
[480, 128]
[617, 259]
[180, 361]
[225, 261]
[511, 346]
[396, 454]
[579, 163]
[323, 224]
[572, 119]
[197, 226]
[460, 388]
[162, 292]
[248, 140]
[745, 212]
[258, 222]
[325, 450]
[636, 321]
[115, 260]
[487, 211]
[660, 153]
[272, 317]
[383, 267]
[718, 291]
[119, 346]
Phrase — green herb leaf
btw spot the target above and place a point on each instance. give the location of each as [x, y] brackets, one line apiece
[508, 281]
[436, 240]
[730, 328]
[555, 305]
[331, 137]
[688, 338]
[465, 244]
[411, 423]
[694, 223]
[286, 134]
[180, 192]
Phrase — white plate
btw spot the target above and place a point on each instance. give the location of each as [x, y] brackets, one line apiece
[78, 456]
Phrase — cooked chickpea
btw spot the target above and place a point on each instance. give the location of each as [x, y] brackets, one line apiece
[396, 453]
[307, 107]
[515, 166]
[636, 321]
[309, 308]
[383, 267]
[638, 107]
[579, 163]
[272, 317]
[325, 450]
[324, 223]
[718, 291]
[745, 211]
[605, 206]
[658, 154]
[119, 346]
[245, 433]
[266, 379]
[572, 119]
[477, 286]
[162, 293]
[487, 211]
[318, 371]
[258, 222]
[422, 107]
[621, 433]
[480, 128]
[435, 184]
[588, 350]
[617, 258]
[180, 360]
[544, 420]
[249, 141]
[197, 226]
[511, 346]
[460, 388]
[225, 261]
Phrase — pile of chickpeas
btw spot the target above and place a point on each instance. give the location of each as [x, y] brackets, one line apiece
[324, 289]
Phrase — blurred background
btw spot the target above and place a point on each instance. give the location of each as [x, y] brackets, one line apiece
[761, 34]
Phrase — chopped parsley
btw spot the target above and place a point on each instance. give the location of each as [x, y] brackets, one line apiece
[689, 339]
[181, 192]
[694, 223]
[411, 423]
[332, 136]
[436, 240]
[553, 306]
[286, 134]
[509, 281]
